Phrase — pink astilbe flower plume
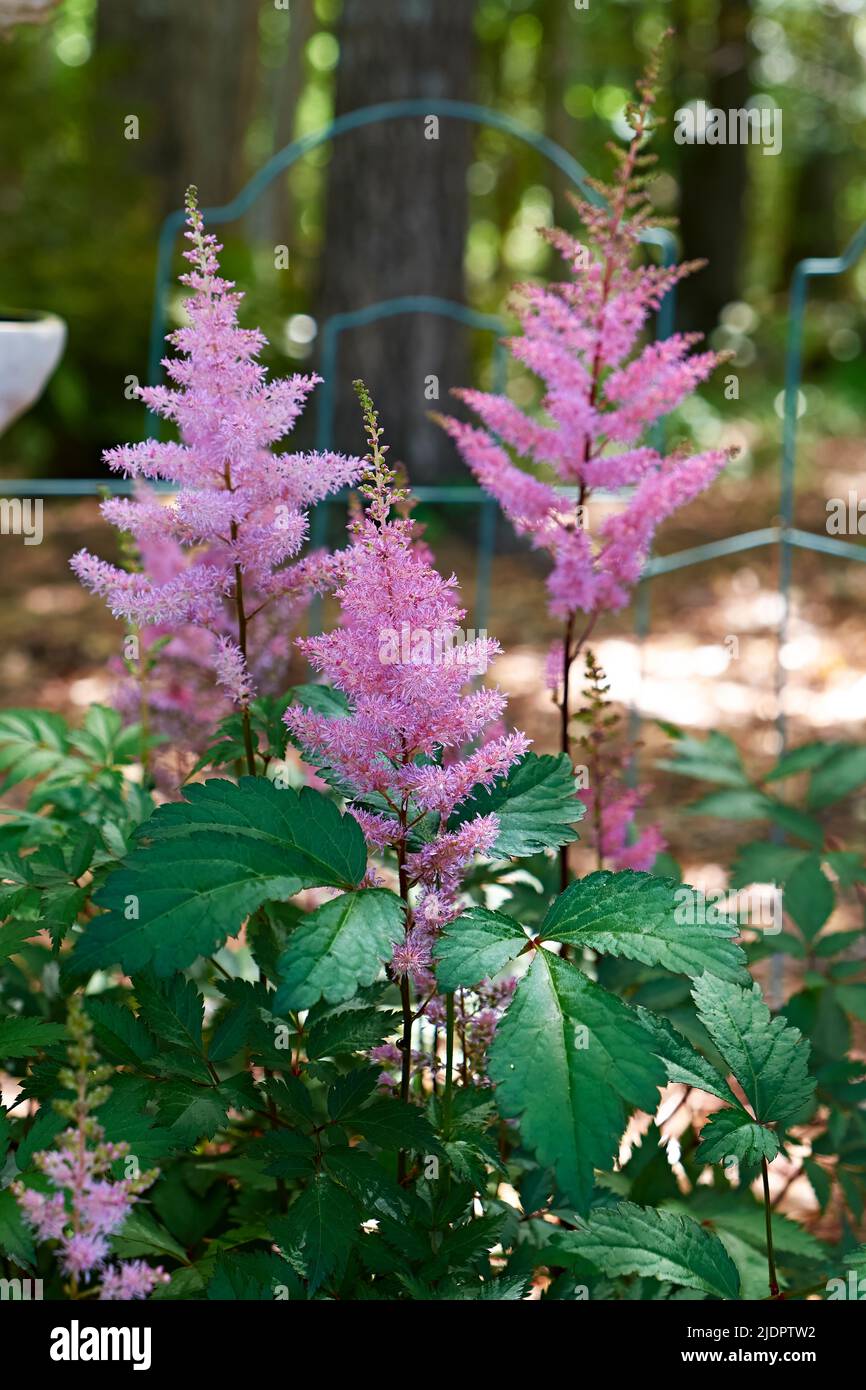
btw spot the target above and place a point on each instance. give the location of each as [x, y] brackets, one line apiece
[88, 1205]
[603, 390]
[220, 559]
[406, 714]
[399, 753]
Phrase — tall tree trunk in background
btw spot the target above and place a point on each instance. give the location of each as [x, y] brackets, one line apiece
[271, 216]
[396, 220]
[187, 69]
[713, 178]
[813, 223]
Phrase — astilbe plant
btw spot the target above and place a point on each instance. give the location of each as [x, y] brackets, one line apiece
[87, 1206]
[399, 751]
[602, 392]
[251, 954]
[239, 516]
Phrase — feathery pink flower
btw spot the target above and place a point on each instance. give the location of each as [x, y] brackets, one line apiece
[222, 546]
[90, 1205]
[602, 392]
[401, 744]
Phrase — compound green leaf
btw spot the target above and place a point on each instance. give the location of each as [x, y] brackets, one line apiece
[475, 946]
[568, 1058]
[652, 920]
[204, 864]
[655, 1244]
[536, 803]
[768, 1056]
[338, 948]
[734, 1134]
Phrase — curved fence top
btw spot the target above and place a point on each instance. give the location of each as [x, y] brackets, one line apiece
[355, 120]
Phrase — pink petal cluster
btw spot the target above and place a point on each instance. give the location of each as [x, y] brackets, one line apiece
[227, 540]
[96, 1206]
[129, 1280]
[400, 746]
[619, 805]
[89, 1205]
[602, 391]
[477, 1013]
[601, 394]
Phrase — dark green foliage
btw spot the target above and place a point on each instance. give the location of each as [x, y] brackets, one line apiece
[287, 1172]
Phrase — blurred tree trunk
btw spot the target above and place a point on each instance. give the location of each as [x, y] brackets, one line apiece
[396, 220]
[713, 178]
[271, 216]
[186, 69]
[813, 223]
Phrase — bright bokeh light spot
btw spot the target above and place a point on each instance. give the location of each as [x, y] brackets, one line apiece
[301, 328]
[73, 49]
[779, 404]
[323, 52]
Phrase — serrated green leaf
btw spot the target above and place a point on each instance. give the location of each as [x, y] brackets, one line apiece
[464, 1247]
[289, 1154]
[536, 803]
[143, 1236]
[230, 1034]
[21, 1036]
[734, 1134]
[656, 1244]
[60, 909]
[120, 1036]
[392, 1124]
[566, 1058]
[477, 945]
[13, 936]
[31, 742]
[16, 1241]
[207, 863]
[367, 1182]
[768, 1056]
[338, 948]
[808, 897]
[838, 776]
[40, 1135]
[173, 1010]
[506, 1287]
[322, 699]
[349, 1029]
[351, 1091]
[653, 920]
[319, 1231]
[189, 1111]
[682, 1062]
[252, 1276]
